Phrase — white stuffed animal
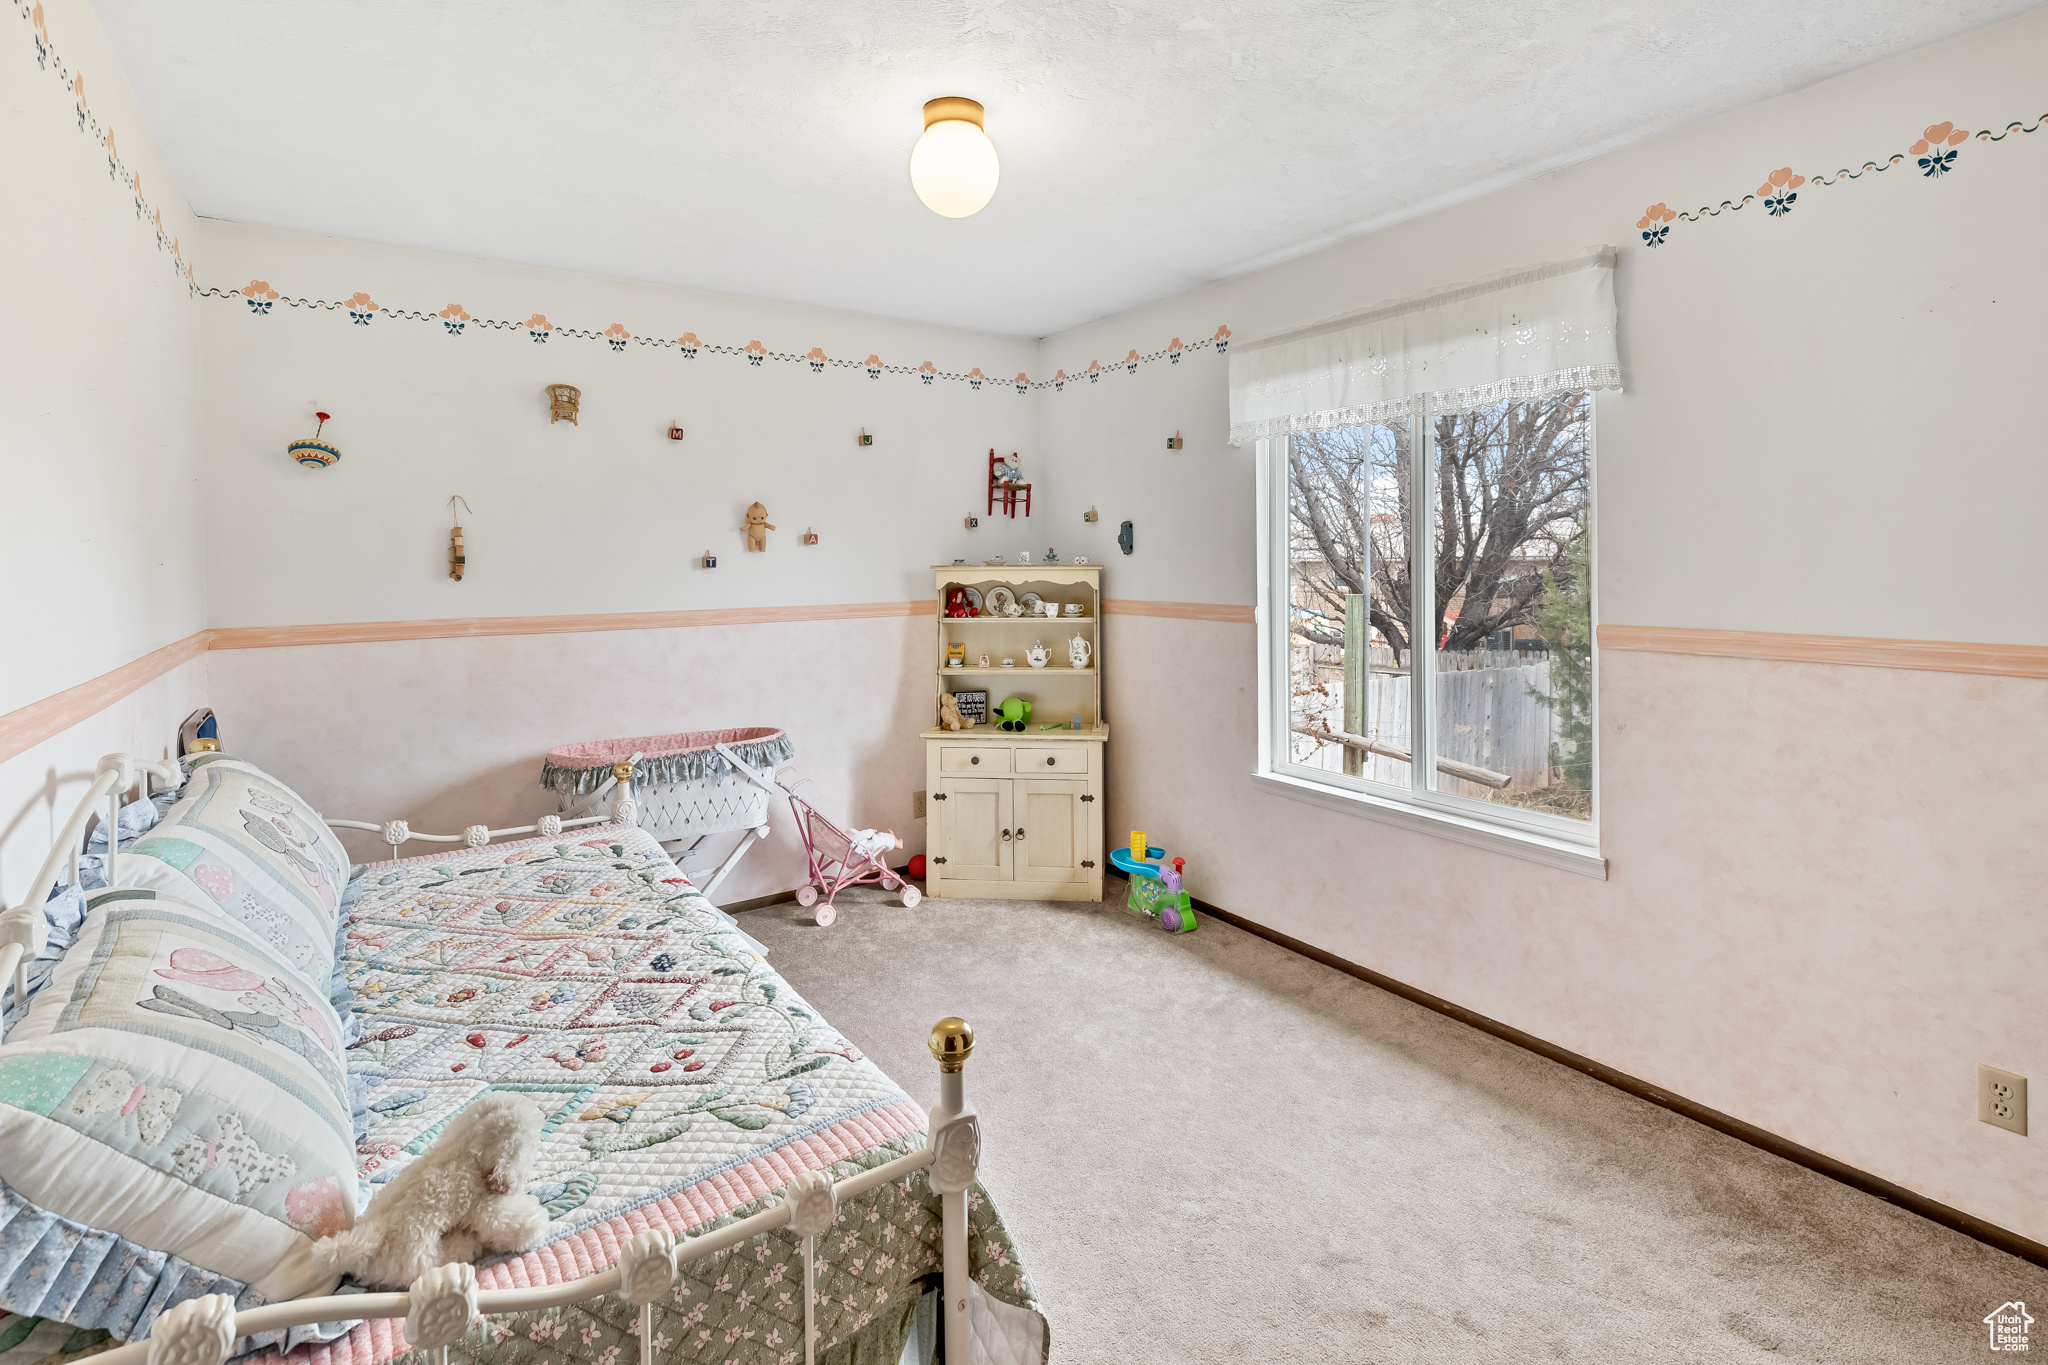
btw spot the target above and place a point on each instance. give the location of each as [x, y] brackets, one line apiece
[461, 1197]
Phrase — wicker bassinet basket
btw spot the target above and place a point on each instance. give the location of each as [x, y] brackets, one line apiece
[684, 786]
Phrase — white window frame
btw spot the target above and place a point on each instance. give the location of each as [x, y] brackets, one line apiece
[1552, 840]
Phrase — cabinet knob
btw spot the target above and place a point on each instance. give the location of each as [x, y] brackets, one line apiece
[974, 758]
[1020, 831]
[1050, 760]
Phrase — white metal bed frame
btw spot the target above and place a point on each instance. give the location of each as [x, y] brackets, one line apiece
[442, 1306]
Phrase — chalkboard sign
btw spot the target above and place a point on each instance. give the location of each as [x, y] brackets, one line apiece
[973, 707]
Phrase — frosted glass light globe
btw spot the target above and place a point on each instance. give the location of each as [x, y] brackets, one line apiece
[954, 168]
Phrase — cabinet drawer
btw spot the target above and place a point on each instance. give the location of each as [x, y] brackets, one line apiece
[1053, 758]
[973, 760]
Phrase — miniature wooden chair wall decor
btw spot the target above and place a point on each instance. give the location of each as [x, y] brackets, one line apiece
[1005, 481]
[563, 400]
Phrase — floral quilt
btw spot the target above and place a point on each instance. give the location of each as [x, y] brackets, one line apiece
[683, 1083]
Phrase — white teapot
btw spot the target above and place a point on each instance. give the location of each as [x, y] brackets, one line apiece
[1077, 652]
[1036, 656]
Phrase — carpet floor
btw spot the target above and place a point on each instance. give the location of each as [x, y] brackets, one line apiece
[1212, 1149]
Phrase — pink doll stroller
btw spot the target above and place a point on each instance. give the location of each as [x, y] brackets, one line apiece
[835, 863]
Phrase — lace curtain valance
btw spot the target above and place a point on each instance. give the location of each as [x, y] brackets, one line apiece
[1549, 329]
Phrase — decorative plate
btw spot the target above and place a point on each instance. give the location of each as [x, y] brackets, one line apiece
[999, 601]
[1030, 601]
[973, 598]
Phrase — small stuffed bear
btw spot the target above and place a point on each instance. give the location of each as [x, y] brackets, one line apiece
[461, 1197]
[949, 713]
[757, 527]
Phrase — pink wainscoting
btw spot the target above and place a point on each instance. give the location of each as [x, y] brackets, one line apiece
[40, 785]
[1824, 907]
[449, 732]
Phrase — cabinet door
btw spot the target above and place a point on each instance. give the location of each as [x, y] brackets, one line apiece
[975, 837]
[1053, 833]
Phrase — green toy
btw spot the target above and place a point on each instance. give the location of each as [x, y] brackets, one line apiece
[1156, 891]
[1014, 714]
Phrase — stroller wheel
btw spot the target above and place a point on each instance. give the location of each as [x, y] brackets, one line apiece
[825, 914]
[911, 896]
[890, 883]
[808, 895]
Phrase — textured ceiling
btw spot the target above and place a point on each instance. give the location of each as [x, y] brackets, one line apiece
[761, 146]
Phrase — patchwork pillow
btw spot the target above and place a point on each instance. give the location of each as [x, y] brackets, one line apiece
[177, 1084]
[243, 841]
[64, 911]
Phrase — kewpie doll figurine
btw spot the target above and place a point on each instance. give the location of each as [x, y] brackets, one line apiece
[757, 528]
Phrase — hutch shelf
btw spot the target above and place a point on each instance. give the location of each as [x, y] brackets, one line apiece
[1017, 815]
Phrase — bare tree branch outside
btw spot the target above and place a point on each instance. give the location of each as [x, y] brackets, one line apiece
[1507, 531]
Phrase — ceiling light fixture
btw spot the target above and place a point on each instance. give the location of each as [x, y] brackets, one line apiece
[954, 168]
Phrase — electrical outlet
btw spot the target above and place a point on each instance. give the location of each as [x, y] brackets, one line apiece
[917, 805]
[2002, 1099]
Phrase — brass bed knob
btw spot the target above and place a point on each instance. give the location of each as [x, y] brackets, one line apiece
[952, 1041]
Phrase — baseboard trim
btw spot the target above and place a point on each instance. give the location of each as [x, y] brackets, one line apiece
[758, 902]
[1969, 1225]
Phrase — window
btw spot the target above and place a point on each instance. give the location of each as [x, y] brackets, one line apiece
[1479, 706]
[1426, 557]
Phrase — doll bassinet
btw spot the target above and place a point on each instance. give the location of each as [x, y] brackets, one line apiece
[687, 786]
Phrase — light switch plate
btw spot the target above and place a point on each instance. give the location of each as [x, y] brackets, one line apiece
[2002, 1099]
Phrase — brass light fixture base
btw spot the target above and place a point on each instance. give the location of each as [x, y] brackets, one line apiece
[957, 107]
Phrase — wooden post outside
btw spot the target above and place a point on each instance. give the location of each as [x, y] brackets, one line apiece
[1356, 655]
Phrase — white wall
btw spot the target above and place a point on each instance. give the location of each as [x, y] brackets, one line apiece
[607, 515]
[101, 554]
[97, 452]
[1837, 392]
[601, 517]
[1824, 902]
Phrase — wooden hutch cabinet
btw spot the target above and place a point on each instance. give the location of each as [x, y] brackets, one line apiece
[1018, 814]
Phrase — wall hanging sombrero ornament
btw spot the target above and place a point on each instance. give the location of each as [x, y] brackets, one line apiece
[311, 451]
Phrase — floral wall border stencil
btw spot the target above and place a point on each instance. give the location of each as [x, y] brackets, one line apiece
[261, 296]
[50, 60]
[360, 310]
[1934, 154]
